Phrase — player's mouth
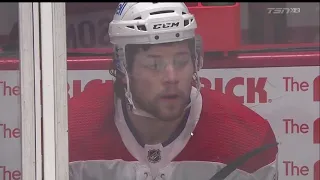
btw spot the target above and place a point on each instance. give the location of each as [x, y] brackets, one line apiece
[170, 97]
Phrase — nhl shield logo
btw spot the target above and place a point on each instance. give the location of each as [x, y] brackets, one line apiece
[154, 155]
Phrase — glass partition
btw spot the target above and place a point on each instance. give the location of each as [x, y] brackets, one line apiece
[32, 100]
[119, 133]
[10, 118]
[287, 23]
[54, 91]
[20, 155]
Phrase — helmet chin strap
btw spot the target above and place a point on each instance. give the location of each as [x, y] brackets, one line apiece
[143, 113]
[133, 108]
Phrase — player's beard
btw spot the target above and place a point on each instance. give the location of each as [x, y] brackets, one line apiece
[160, 110]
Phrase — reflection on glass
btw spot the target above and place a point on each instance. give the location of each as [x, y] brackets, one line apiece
[217, 3]
[280, 23]
[87, 24]
[155, 120]
[10, 134]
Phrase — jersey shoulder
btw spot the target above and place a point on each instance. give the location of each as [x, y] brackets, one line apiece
[227, 129]
[92, 131]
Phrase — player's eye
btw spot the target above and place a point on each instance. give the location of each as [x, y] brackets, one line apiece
[159, 64]
[181, 61]
[155, 64]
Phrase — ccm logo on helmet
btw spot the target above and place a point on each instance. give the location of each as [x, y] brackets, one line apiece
[166, 25]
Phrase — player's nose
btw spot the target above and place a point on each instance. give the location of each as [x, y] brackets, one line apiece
[170, 75]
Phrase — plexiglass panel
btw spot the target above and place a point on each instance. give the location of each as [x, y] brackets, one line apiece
[132, 120]
[10, 119]
[280, 23]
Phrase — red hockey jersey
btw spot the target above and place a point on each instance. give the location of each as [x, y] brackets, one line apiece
[101, 145]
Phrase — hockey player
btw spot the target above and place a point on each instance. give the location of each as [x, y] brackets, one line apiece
[155, 122]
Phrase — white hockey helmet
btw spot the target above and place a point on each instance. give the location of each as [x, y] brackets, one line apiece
[151, 23]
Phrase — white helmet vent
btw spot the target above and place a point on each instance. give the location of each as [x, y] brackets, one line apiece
[138, 27]
[142, 28]
[186, 22]
[162, 12]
